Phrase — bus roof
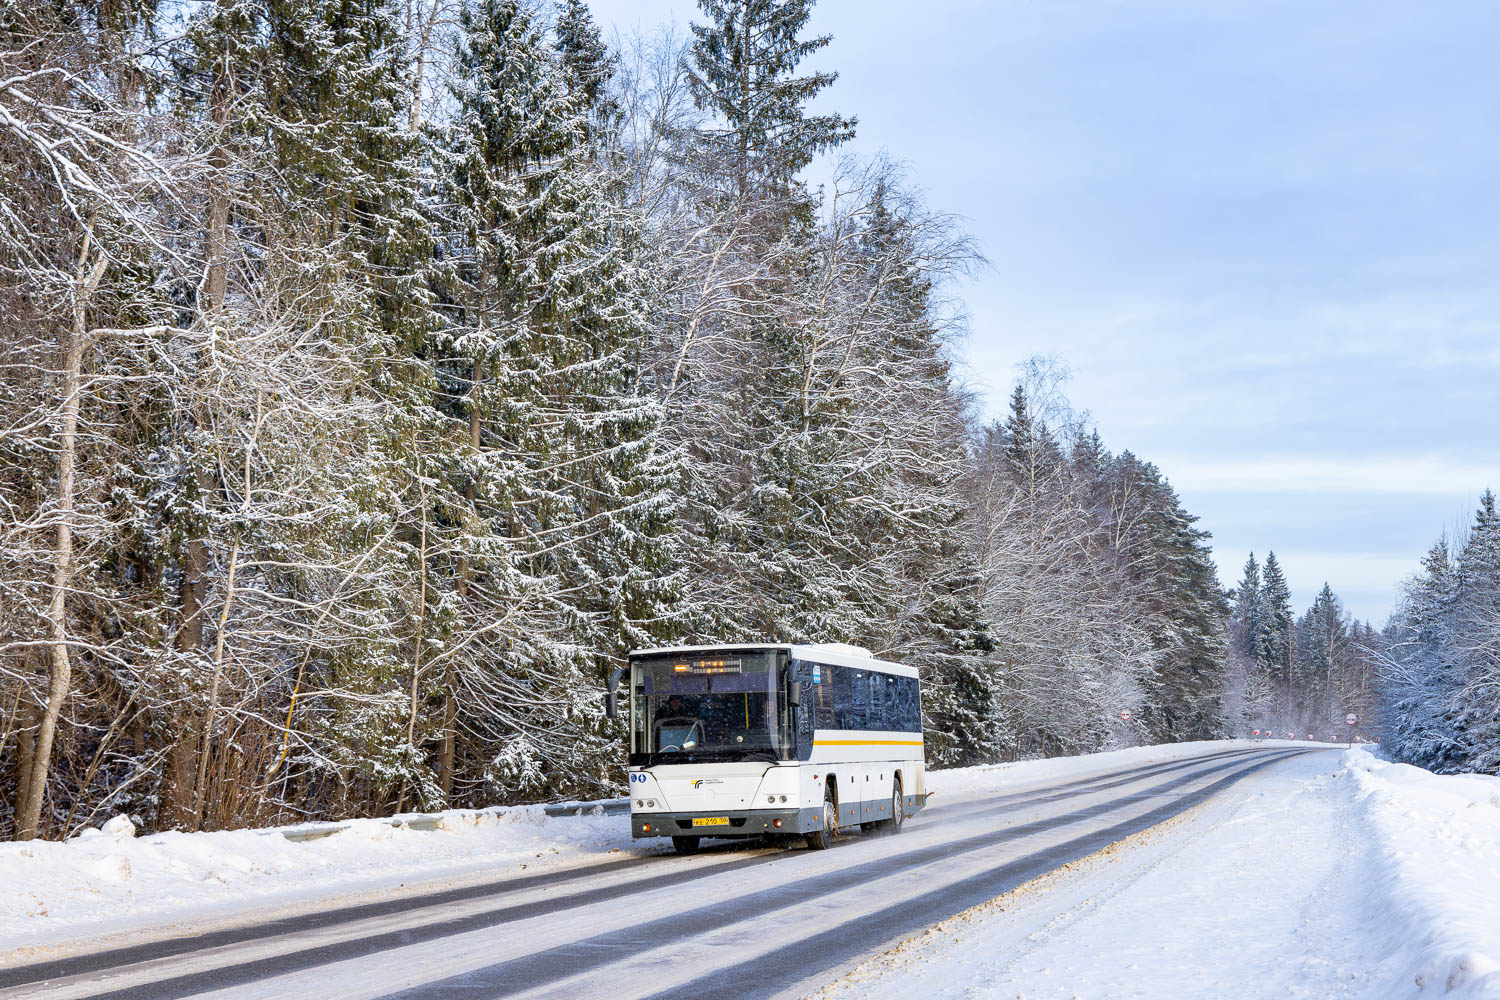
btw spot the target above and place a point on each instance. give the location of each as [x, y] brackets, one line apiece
[831, 653]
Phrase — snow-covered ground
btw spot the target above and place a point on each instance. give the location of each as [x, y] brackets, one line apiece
[105, 888]
[1331, 875]
[1437, 850]
[108, 887]
[1323, 877]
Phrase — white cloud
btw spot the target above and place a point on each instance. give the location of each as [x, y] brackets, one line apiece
[1394, 474]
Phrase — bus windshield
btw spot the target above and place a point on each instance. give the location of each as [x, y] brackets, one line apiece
[706, 706]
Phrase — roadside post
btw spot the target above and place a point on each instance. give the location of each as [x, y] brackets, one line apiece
[1351, 720]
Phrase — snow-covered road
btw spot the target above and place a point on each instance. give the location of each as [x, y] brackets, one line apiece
[1324, 877]
[1262, 892]
[727, 923]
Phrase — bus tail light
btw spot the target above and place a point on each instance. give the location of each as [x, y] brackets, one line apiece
[776, 823]
[646, 827]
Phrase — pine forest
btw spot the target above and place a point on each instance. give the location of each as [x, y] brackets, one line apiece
[374, 374]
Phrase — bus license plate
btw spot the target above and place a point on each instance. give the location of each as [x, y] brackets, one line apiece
[711, 821]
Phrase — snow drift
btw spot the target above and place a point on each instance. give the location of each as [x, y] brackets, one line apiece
[1436, 852]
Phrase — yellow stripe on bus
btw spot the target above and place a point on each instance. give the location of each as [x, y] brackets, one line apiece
[867, 743]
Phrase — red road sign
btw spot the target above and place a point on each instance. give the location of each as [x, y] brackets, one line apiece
[1351, 719]
[1125, 714]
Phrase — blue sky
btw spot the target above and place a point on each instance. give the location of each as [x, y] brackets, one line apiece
[1265, 237]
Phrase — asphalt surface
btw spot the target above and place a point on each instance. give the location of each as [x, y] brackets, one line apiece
[730, 922]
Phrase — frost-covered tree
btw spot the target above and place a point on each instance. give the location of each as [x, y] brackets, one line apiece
[744, 73]
[1421, 670]
[546, 319]
[1274, 639]
[588, 69]
[1478, 622]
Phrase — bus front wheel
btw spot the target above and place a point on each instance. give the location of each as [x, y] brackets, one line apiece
[822, 840]
[685, 845]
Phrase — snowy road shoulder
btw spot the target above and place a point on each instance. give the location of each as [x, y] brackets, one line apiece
[102, 890]
[1436, 843]
[1327, 876]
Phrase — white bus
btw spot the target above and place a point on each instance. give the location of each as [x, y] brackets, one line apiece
[770, 739]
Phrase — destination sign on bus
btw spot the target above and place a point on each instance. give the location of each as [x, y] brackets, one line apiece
[720, 666]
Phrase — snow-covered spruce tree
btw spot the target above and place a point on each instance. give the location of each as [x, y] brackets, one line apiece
[1420, 670]
[1169, 558]
[1248, 686]
[341, 137]
[1247, 612]
[917, 514]
[1477, 624]
[1277, 623]
[732, 365]
[1438, 671]
[566, 484]
[744, 73]
[588, 69]
[1323, 646]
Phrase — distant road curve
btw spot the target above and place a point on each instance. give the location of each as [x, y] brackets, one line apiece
[727, 923]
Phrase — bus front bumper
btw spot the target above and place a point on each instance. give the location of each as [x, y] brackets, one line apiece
[729, 823]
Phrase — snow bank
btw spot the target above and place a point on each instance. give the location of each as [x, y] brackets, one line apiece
[106, 881]
[1437, 858]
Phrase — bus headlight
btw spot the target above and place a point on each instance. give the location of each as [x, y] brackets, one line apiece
[640, 803]
[783, 798]
[771, 799]
[650, 803]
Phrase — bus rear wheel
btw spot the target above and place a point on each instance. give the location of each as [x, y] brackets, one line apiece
[685, 845]
[822, 840]
[892, 823]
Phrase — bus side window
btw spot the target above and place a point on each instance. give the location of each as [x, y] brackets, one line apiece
[877, 702]
[890, 703]
[859, 702]
[826, 718]
[901, 706]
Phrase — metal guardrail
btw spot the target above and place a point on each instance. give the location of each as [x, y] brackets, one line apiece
[303, 832]
[607, 807]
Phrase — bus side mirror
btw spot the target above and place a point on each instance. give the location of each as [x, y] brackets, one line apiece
[794, 694]
[611, 692]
